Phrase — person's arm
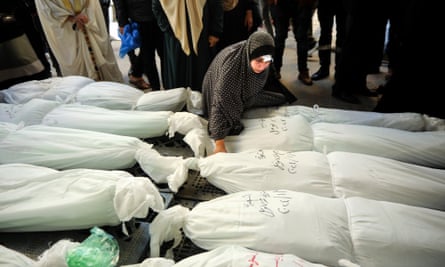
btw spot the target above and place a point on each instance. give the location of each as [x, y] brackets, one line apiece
[248, 19]
[225, 118]
[219, 146]
[216, 21]
[160, 16]
[120, 7]
[249, 16]
[78, 21]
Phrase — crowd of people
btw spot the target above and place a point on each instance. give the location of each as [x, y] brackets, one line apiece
[202, 44]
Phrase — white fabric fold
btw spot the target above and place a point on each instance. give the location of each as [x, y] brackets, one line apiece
[291, 133]
[402, 235]
[165, 227]
[199, 142]
[30, 113]
[404, 121]
[303, 171]
[423, 148]
[172, 99]
[111, 95]
[54, 88]
[231, 255]
[330, 231]
[184, 122]
[314, 228]
[135, 123]
[12, 258]
[64, 148]
[72, 199]
[338, 174]
[163, 169]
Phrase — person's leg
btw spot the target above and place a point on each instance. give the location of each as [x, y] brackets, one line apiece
[301, 19]
[267, 18]
[341, 88]
[281, 22]
[350, 75]
[133, 58]
[148, 38]
[105, 5]
[159, 43]
[312, 42]
[135, 77]
[274, 85]
[326, 19]
[340, 26]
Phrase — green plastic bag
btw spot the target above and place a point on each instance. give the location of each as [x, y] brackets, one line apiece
[100, 249]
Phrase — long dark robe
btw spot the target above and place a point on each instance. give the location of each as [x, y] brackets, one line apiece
[180, 69]
[415, 85]
[234, 28]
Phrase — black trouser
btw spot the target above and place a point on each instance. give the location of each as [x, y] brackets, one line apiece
[327, 11]
[151, 41]
[105, 5]
[362, 23]
[301, 17]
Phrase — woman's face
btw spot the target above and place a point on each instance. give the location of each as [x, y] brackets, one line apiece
[258, 64]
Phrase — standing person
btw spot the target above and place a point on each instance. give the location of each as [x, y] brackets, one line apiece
[105, 5]
[141, 12]
[327, 11]
[235, 82]
[352, 68]
[191, 30]
[408, 90]
[77, 35]
[241, 18]
[39, 38]
[266, 16]
[312, 42]
[300, 13]
[22, 48]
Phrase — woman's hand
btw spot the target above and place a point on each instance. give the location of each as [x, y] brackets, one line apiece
[121, 30]
[213, 40]
[79, 21]
[248, 20]
[219, 146]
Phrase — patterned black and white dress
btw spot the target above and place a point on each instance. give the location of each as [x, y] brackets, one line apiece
[230, 86]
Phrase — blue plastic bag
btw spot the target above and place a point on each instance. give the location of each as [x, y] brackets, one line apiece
[130, 39]
[100, 249]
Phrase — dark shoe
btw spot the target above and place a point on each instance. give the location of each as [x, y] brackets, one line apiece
[304, 78]
[347, 97]
[139, 83]
[320, 74]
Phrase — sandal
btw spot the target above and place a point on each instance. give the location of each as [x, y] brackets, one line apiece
[139, 83]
